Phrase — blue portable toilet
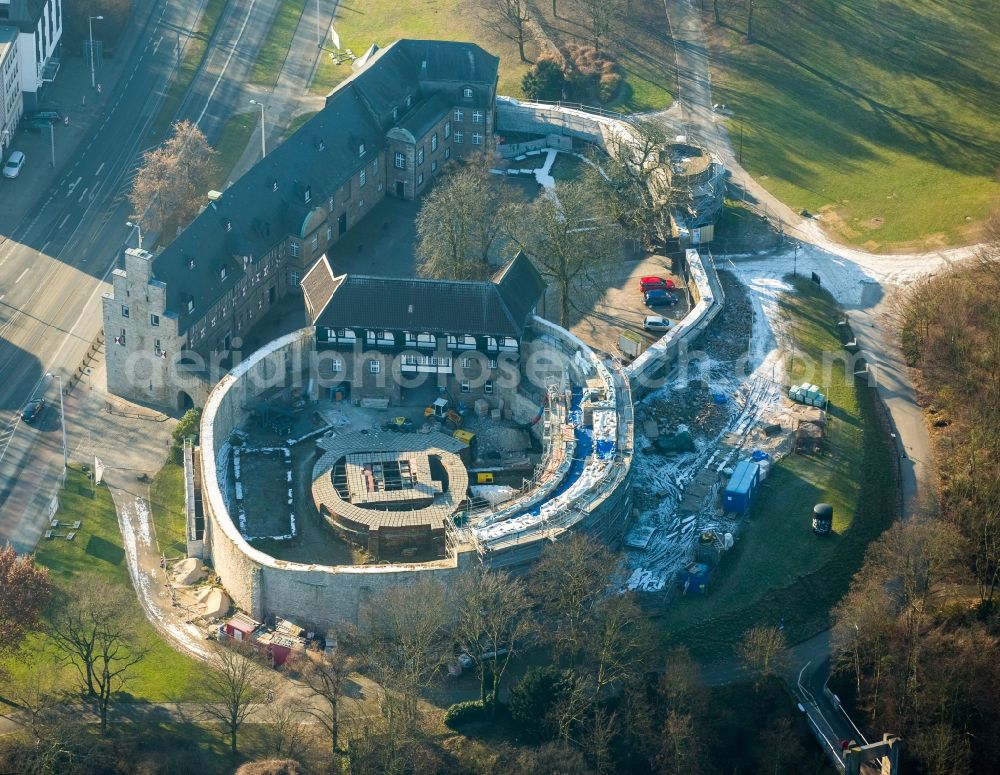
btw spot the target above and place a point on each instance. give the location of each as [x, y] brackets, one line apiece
[741, 488]
[693, 578]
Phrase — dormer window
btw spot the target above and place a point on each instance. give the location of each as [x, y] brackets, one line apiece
[395, 114]
[274, 184]
[361, 151]
[222, 273]
[409, 100]
[307, 195]
[467, 92]
[228, 224]
[190, 305]
[190, 263]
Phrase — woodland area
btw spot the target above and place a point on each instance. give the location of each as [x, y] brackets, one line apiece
[918, 633]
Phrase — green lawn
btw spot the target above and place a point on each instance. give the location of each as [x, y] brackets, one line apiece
[97, 552]
[194, 53]
[778, 568]
[166, 502]
[279, 38]
[566, 168]
[882, 115]
[386, 21]
[236, 134]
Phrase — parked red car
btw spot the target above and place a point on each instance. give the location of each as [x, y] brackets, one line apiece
[652, 283]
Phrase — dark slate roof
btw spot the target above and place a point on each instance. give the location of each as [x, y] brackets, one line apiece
[520, 286]
[434, 306]
[426, 115]
[268, 202]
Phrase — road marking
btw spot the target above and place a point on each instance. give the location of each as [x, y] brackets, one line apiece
[99, 169]
[225, 67]
[83, 194]
[63, 221]
[159, 40]
[21, 276]
[73, 185]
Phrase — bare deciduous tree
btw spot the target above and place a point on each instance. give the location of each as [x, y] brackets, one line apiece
[326, 678]
[460, 222]
[569, 583]
[764, 651]
[509, 19]
[492, 622]
[599, 14]
[240, 682]
[96, 632]
[172, 182]
[571, 240]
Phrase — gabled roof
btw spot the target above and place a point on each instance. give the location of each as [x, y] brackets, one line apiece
[520, 286]
[269, 201]
[477, 308]
[318, 286]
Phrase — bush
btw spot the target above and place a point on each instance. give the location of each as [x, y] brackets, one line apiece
[533, 698]
[591, 74]
[462, 713]
[544, 81]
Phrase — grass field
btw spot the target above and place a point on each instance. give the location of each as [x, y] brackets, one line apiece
[640, 41]
[194, 53]
[778, 568]
[882, 115]
[236, 134]
[97, 553]
[279, 38]
[166, 502]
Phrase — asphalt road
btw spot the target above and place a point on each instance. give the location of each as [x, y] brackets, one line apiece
[54, 264]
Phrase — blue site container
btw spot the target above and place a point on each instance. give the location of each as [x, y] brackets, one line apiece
[693, 578]
[741, 488]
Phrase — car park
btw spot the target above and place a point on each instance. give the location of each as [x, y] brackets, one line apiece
[659, 299]
[32, 409]
[657, 323]
[653, 283]
[14, 164]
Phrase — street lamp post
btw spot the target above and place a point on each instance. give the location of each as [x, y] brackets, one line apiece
[52, 140]
[90, 24]
[138, 227]
[62, 419]
[263, 145]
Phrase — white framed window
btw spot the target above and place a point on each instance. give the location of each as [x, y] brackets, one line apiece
[222, 273]
[493, 363]
[293, 248]
[459, 136]
[395, 114]
[488, 387]
[190, 305]
[477, 139]
[420, 155]
[477, 117]
[293, 278]
[154, 320]
[361, 151]
[468, 363]
[314, 244]
[124, 311]
[374, 366]
[447, 129]
[400, 160]
[465, 386]
[447, 153]
[329, 233]
[409, 100]
[459, 116]
[434, 142]
[156, 347]
[336, 365]
[329, 205]
[467, 92]
[362, 178]
[420, 179]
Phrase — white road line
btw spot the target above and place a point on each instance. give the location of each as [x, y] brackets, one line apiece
[159, 40]
[63, 221]
[222, 73]
[83, 194]
[99, 169]
[21, 276]
[73, 185]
